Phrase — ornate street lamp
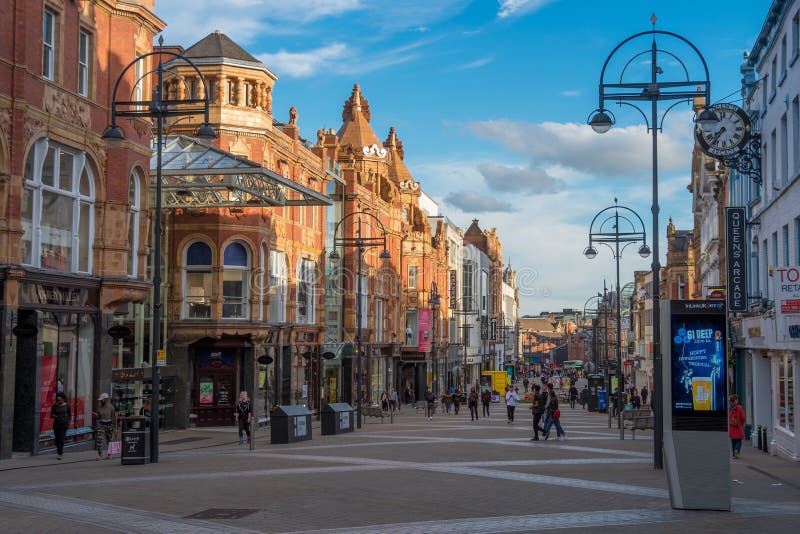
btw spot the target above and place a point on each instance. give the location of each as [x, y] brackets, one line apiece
[361, 244]
[604, 229]
[621, 90]
[157, 108]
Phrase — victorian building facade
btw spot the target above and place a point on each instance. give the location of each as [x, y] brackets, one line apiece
[69, 207]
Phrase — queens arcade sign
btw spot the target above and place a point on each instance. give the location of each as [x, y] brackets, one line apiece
[737, 259]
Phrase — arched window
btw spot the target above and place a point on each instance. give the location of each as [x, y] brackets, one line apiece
[197, 282]
[135, 203]
[235, 275]
[57, 209]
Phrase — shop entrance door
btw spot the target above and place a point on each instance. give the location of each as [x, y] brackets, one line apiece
[215, 395]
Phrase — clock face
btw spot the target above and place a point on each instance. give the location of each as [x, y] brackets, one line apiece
[729, 135]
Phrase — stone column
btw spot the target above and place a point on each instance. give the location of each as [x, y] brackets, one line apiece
[222, 92]
[240, 95]
[201, 90]
[180, 83]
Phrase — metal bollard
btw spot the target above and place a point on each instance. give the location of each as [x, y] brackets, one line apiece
[766, 442]
[758, 435]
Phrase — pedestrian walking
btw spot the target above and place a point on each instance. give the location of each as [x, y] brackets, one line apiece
[573, 396]
[244, 416]
[736, 420]
[486, 399]
[60, 414]
[525, 383]
[553, 415]
[644, 395]
[106, 419]
[430, 401]
[447, 400]
[384, 401]
[457, 400]
[537, 409]
[393, 400]
[636, 400]
[472, 404]
[585, 397]
[511, 403]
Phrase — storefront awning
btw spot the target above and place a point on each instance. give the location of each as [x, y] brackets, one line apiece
[194, 175]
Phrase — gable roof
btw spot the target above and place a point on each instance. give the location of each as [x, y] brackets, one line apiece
[218, 45]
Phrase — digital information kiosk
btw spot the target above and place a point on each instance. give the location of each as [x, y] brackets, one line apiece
[696, 443]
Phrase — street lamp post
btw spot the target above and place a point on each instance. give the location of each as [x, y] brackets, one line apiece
[608, 219]
[681, 89]
[157, 108]
[361, 244]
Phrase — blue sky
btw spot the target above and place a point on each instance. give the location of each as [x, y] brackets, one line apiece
[490, 99]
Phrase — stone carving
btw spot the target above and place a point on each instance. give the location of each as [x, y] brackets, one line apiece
[67, 107]
[5, 121]
[98, 150]
[33, 127]
[292, 116]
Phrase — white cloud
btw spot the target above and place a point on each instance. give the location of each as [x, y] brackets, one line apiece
[623, 151]
[244, 20]
[520, 180]
[305, 64]
[571, 92]
[476, 64]
[512, 8]
[474, 202]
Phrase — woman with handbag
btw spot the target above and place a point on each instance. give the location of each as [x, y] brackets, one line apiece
[106, 422]
[553, 415]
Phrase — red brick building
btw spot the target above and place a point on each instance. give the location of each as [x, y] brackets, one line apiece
[66, 207]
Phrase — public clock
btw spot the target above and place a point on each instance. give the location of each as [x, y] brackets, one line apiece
[729, 135]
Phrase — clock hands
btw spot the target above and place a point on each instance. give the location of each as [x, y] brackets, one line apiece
[717, 135]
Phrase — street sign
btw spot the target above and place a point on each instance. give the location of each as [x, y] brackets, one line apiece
[161, 358]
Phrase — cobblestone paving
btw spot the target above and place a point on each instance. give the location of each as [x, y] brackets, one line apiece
[412, 476]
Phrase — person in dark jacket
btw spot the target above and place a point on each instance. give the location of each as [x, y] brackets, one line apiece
[573, 396]
[60, 414]
[430, 401]
[553, 415]
[244, 416]
[537, 409]
[472, 403]
[486, 399]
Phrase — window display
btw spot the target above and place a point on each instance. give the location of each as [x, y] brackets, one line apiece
[698, 365]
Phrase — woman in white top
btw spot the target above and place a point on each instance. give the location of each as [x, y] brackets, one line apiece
[511, 402]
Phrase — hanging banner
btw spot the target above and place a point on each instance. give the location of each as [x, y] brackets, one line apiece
[736, 258]
[787, 303]
[453, 289]
[424, 336]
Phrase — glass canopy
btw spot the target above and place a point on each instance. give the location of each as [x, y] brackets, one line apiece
[194, 175]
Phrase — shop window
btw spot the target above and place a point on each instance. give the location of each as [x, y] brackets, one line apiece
[135, 203]
[67, 341]
[197, 282]
[306, 294]
[785, 400]
[57, 209]
[235, 275]
[277, 287]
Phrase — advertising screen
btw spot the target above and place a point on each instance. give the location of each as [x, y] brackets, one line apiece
[698, 365]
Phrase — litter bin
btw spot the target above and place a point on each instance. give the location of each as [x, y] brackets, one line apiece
[290, 424]
[135, 441]
[602, 401]
[337, 418]
[595, 384]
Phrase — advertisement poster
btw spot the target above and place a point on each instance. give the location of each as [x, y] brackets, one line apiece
[424, 340]
[698, 364]
[300, 430]
[47, 391]
[206, 392]
[787, 303]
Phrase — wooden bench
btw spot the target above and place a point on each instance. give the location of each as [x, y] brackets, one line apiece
[636, 419]
[373, 411]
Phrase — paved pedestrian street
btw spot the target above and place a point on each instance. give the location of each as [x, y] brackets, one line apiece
[409, 476]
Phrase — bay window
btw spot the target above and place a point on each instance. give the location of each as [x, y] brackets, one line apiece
[197, 282]
[235, 276]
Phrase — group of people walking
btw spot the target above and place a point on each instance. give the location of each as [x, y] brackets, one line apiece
[544, 409]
